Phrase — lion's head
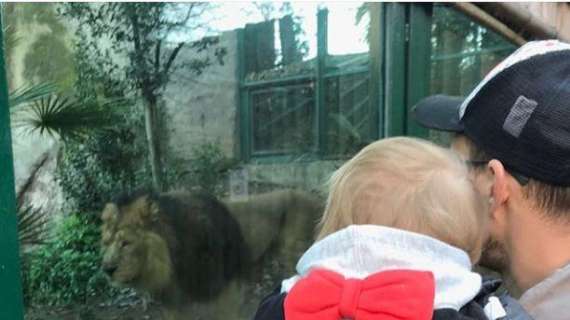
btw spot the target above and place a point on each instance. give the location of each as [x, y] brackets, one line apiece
[134, 254]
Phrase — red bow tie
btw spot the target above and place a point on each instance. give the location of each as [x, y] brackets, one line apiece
[388, 295]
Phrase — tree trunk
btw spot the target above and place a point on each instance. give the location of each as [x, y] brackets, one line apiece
[151, 137]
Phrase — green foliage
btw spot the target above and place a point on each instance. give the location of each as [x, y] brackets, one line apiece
[28, 94]
[94, 169]
[142, 34]
[209, 168]
[66, 269]
[32, 225]
[66, 117]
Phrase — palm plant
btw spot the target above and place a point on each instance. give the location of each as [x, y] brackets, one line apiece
[38, 108]
[41, 108]
[65, 117]
[27, 94]
[32, 226]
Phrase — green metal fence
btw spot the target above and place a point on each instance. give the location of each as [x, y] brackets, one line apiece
[368, 94]
[11, 304]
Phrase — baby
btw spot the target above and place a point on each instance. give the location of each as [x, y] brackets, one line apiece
[401, 231]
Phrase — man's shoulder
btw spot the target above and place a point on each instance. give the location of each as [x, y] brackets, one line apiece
[550, 298]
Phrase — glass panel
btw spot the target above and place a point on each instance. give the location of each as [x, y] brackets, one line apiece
[349, 111]
[346, 103]
[282, 115]
[348, 107]
[463, 52]
[281, 44]
[348, 27]
[217, 108]
[283, 119]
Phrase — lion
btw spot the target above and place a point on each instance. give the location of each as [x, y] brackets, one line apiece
[178, 247]
[184, 248]
[278, 224]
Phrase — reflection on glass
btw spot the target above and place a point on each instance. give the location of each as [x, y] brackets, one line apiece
[348, 104]
[284, 119]
[463, 52]
[238, 108]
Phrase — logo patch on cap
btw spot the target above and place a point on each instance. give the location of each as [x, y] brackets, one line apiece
[518, 116]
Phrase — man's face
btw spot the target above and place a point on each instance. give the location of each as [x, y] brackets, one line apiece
[494, 256]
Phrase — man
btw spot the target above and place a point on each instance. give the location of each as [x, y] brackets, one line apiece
[514, 128]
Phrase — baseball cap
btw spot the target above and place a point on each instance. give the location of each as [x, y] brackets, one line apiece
[519, 113]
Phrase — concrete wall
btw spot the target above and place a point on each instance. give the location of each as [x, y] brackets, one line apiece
[203, 108]
[311, 175]
[42, 45]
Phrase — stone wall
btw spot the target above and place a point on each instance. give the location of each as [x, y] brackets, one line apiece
[40, 51]
[203, 108]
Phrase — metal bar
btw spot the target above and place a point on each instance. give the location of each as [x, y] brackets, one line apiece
[418, 73]
[244, 120]
[285, 114]
[395, 70]
[322, 51]
[301, 78]
[377, 54]
[465, 54]
[357, 107]
[279, 81]
[351, 72]
[11, 303]
[520, 17]
[489, 21]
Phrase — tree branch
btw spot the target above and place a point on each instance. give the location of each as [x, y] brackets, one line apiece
[172, 57]
[141, 73]
[157, 57]
[183, 22]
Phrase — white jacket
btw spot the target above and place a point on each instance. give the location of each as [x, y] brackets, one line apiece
[361, 250]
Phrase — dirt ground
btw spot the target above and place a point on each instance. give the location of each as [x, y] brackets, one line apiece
[128, 307]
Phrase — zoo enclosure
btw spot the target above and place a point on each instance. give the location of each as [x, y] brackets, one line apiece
[414, 50]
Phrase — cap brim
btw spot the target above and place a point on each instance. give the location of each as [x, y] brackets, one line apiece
[439, 112]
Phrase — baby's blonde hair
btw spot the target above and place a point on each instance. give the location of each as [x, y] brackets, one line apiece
[409, 184]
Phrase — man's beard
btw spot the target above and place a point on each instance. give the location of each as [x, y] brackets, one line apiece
[494, 257]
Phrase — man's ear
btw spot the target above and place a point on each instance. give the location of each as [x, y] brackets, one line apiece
[500, 189]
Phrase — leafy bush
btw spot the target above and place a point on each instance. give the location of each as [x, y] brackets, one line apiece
[66, 269]
[209, 168]
[91, 172]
